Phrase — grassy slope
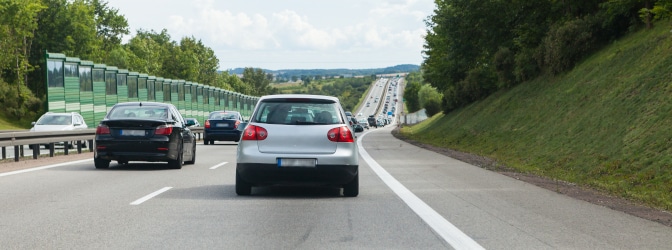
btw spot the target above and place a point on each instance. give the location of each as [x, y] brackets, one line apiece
[9, 124]
[606, 124]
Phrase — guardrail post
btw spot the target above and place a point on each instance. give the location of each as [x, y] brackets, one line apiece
[16, 153]
[51, 149]
[36, 150]
[21, 150]
[66, 146]
[79, 147]
[4, 153]
[90, 144]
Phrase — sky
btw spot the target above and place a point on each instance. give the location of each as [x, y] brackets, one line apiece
[291, 34]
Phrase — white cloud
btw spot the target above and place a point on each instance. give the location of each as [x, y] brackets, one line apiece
[271, 34]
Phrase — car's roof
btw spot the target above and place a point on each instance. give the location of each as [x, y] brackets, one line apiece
[143, 104]
[224, 111]
[299, 96]
[52, 113]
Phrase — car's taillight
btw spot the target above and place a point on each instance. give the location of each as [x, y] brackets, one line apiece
[254, 133]
[164, 130]
[235, 126]
[103, 130]
[207, 124]
[340, 134]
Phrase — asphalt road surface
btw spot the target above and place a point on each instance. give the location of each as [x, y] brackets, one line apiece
[410, 198]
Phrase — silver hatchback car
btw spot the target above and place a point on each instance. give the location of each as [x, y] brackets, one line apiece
[302, 140]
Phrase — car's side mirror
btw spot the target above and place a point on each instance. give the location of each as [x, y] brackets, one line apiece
[33, 123]
[242, 125]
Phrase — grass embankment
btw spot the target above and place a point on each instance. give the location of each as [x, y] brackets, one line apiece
[606, 124]
[9, 124]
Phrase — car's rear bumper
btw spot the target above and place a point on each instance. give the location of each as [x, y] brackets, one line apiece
[136, 151]
[321, 175]
[227, 135]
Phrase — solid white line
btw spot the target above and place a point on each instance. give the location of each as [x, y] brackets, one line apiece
[451, 234]
[43, 167]
[149, 196]
[218, 165]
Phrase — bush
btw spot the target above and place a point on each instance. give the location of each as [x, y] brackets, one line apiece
[504, 66]
[568, 42]
[24, 106]
[526, 64]
[432, 107]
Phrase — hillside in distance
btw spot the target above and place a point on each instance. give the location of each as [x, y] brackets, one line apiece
[336, 72]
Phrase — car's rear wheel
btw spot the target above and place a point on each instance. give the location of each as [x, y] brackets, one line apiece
[100, 163]
[205, 142]
[352, 189]
[242, 187]
[193, 157]
[176, 164]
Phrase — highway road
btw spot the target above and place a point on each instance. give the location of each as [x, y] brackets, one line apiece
[410, 198]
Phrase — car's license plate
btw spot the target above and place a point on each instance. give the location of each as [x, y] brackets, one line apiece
[222, 125]
[131, 132]
[291, 162]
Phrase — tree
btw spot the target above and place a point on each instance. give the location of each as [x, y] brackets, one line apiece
[110, 26]
[258, 81]
[18, 22]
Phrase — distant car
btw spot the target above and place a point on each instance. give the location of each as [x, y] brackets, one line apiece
[222, 126]
[144, 131]
[372, 121]
[192, 122]
[275, 150]
[348, 115]
[364, 122]
[60, 122]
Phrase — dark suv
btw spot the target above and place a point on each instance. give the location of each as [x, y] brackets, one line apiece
[372, 121]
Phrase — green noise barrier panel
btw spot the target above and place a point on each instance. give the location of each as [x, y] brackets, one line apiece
[91, 89]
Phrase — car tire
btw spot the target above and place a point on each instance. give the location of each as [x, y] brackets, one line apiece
[176, 164]
[205, 142]
[212, 142]
[352, 189]
[193, 157]
[100, 163]
[242, 187]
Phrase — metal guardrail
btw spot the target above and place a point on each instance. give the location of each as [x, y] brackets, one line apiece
[18, 139]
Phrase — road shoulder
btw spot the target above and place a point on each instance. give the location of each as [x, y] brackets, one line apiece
[570, 189]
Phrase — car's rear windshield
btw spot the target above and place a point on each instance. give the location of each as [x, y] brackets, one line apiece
[297, 112]
[223, 116]
[139, 112]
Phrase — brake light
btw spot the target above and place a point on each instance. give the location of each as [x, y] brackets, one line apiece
[103, 130]
[164, 130]
[254, 133]
[340, 134]
[207, 123]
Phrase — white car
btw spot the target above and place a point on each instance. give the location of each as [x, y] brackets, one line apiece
[274, 150]
[59, 122]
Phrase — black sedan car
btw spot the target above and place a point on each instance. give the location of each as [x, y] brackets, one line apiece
[144, 131]
[222, 126]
